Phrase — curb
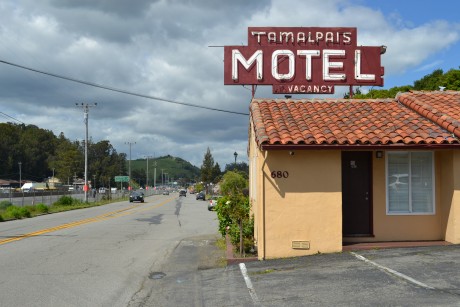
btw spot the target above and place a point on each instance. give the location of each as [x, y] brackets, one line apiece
[231, 260]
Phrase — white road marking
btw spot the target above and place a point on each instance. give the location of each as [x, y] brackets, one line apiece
[401, 275]
[252, 292]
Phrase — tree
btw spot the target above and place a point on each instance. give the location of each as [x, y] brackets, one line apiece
[431, 82]
[207, 168]
[241, 167]
[216, 173]
[66, 160]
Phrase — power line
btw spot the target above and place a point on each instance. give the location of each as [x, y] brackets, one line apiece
[120, 90]
[8, 116]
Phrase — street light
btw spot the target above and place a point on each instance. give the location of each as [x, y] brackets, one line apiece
[85, 108]
[236, 155]
[129, 164]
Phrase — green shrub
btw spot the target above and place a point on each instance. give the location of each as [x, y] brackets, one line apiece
[41, 208]
[5, 204]
[65, 201]
[17, 212]
[1, 218]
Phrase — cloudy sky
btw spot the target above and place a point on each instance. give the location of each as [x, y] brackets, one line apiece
[160, 48]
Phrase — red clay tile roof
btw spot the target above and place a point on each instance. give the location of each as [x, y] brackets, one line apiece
[343, 122]
[443, 108]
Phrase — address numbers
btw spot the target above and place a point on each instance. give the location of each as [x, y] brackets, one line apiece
[280, 174]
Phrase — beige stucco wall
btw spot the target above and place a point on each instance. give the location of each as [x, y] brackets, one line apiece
[303, 205]
[450, 195]
[307, 205]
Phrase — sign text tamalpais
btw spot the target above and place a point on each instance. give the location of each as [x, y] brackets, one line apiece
[303, 60]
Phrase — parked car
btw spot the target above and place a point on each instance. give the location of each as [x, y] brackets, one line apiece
[136, 196]
[213, 203]
[200, 196]
[183, 193]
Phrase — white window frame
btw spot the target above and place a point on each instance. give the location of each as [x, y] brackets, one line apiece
[433, 212]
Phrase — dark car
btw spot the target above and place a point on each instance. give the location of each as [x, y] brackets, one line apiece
[200, 196]
[136, 196]
[183, 193]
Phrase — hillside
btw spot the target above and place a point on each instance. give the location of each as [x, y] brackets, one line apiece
[174, 168]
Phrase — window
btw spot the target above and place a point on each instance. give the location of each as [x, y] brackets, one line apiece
[410, 183]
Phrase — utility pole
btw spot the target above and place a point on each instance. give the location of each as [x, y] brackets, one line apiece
[85, 108]
[20, 182]
[129, 164]
[155, 176]
[147, 183]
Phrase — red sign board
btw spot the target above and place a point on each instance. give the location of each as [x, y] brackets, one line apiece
[303, 60]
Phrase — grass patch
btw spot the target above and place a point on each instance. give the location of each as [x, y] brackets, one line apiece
[221, 244]
[268, 271]
[65, 203]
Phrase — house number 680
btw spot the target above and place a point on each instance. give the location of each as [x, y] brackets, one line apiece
[280, 174]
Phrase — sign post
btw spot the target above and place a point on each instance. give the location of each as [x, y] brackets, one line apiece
[121, 179]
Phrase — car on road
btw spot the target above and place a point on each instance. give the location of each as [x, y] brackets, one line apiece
[136, 196]
[183, 193]
[213, 203]
[165, 193]
[200, 196]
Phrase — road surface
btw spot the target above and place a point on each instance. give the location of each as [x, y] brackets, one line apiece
[101, 256]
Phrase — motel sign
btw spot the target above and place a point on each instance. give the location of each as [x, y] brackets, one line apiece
[303, 60]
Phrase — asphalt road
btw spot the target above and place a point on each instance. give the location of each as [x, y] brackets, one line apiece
[98, 256]
[162, 253]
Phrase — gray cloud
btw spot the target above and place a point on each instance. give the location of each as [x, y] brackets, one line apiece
[160, 48]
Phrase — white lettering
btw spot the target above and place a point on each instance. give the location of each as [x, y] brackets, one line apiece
[301, 37]
[327, 75]
[258, 34]
[291, 59]
[308, 54]
[346, 37]
[319, 36]
[358, 75]
[329, 37]
[331, 70]
[288, 36]
[272, 37]
[237, 57]
[306, 89]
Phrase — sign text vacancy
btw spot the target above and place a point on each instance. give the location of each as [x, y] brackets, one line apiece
[303, 60]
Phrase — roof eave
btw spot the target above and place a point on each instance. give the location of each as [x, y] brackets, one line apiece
[357, 147]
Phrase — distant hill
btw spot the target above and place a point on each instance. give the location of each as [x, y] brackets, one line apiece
[174, 168]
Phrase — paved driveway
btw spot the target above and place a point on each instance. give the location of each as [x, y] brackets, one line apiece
[423, 276]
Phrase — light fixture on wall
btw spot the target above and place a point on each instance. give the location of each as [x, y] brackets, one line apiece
[379, 154]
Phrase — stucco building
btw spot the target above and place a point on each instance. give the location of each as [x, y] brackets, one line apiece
[324, 172]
